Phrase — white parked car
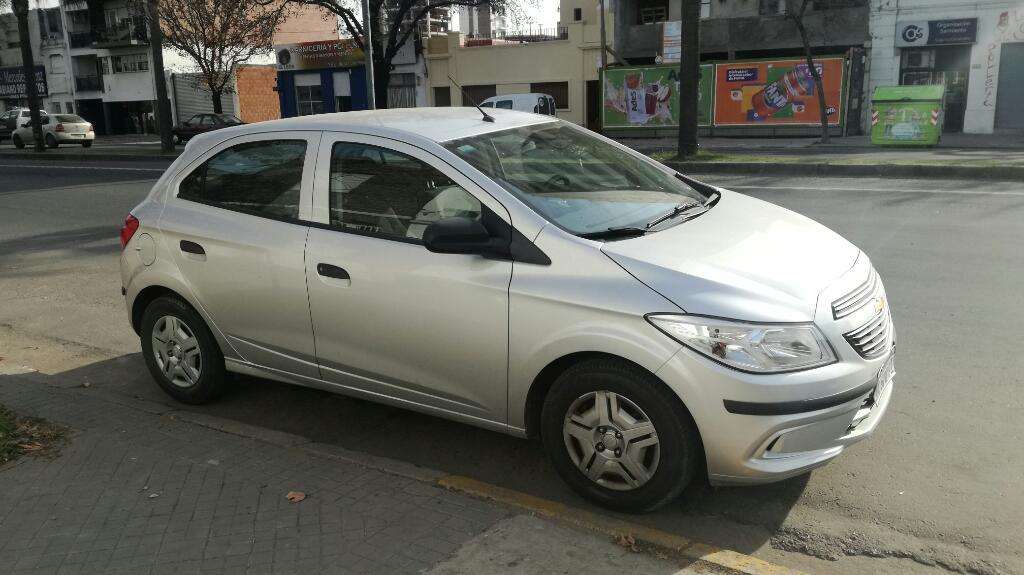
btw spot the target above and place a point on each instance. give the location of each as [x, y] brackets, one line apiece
[57, 129]
[534, 102]
[520, 274]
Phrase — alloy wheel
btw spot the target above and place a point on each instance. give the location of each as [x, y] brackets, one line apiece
[611, 440]
[176, 350]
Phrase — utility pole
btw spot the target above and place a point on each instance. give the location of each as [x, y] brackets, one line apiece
[689, 78]
[156, 47]
[371, 102]
[28, 68]
[604, 39]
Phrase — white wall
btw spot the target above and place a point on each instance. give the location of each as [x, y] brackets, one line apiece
[982, 88]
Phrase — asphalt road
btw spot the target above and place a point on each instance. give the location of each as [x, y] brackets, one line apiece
[939, 487]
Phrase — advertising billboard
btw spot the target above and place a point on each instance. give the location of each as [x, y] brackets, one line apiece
[320, 54]
[777, 92]
[12, 82]
[648, 97]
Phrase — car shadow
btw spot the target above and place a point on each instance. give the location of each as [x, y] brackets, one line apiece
[743, 519]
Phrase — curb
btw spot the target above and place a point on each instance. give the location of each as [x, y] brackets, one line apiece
[89, 156]
[731, 562]
[916, 171]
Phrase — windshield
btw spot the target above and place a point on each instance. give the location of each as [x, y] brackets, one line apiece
[575, 180]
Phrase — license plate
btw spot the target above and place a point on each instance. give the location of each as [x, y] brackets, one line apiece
[885, 375]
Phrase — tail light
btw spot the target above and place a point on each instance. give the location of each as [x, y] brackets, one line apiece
[59, 128]
[131, 225]
[89, 129]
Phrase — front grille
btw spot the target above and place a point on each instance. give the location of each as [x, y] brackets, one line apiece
[858, 298]
[871, 340]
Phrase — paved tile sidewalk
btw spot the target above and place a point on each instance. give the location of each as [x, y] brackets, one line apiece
[136, 492]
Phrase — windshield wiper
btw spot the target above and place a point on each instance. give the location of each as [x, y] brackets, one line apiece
[691, 210]
[614, 233]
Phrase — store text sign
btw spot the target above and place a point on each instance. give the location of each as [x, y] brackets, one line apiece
[936, 32]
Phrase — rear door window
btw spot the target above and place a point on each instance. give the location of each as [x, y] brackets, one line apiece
[504, 104]
[262, 178]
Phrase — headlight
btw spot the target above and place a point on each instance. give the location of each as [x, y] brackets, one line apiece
[758, 348]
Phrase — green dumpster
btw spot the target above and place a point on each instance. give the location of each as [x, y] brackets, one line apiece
[907, 115]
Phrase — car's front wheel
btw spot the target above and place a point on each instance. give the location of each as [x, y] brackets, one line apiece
[180, 352]
[51, 141]
[618, 436]
[17, 141]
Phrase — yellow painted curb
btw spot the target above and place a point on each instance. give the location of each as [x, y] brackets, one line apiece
[611, 526]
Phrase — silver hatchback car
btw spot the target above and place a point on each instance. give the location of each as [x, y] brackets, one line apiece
[520, 274]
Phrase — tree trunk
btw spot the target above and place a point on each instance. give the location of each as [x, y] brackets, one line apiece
[381, 80]
[28, 68]
[162, 113]
[218, 108]
[816, 76]
[689, 79]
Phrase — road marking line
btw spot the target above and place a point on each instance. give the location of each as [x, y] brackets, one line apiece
[886, 190]
[730, 560]
[51, 167]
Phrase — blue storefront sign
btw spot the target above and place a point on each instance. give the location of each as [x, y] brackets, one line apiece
[937, 32]
[12, 82]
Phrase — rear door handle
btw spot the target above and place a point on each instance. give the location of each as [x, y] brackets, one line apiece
[330, 271]
[192, 248]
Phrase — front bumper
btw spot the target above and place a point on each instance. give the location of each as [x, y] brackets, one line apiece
[765, 445]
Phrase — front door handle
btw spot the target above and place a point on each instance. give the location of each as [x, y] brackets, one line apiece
[330, 271]
[192, 248]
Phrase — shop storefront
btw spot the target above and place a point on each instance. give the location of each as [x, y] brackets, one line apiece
[320, 77]
[976, 51]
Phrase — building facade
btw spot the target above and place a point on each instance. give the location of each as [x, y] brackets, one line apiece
[50, 55]
[975, 49]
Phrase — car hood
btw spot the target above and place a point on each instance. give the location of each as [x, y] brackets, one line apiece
[744, 259]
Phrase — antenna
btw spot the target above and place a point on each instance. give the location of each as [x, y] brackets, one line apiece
[487, 117]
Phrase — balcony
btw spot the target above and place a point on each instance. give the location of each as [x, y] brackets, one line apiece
[510, 37]
[80, 39]
[129, 32]
[88, 84]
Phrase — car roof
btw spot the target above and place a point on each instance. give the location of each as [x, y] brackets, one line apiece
[438, 124]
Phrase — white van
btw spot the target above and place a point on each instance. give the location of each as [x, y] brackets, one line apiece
[533, 102]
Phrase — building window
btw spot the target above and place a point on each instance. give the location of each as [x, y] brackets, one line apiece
[557, 90]
[69, 107]
[772, 7]
[473, 95]
[260, 178]
[104, 66]
[577, 14]
[652, 11]
[129, 63]
[309, 100]
[443, 96]
[705, 9]
[55, 107]
[56, 64]
[343, 103]
[402, 90]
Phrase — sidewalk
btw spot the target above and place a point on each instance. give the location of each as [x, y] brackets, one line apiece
[142, 488]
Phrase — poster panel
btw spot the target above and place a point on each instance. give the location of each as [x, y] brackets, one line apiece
[777, 92]
[648, 97]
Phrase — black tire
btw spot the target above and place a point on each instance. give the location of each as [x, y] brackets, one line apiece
[211, 383]
[679, 442]
[87, 144]
[51, 141]
[16, 140]
[177, 139]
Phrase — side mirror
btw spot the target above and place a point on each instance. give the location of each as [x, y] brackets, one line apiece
[458, 236]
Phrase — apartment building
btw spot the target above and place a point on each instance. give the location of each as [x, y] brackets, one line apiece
[50, 58]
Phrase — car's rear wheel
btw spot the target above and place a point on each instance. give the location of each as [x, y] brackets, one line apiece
[618, 436]
[87, 144]
[180, 352]
[51, 141]
[18, 143]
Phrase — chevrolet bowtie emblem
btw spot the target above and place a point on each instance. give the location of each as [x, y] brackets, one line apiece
[879, 304]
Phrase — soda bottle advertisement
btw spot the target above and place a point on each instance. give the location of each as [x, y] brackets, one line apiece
[649, 96]
[774, 92]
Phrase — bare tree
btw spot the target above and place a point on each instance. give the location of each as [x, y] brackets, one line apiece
[797, 17]
[218, 35]
[392, 24]
[28, 68]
